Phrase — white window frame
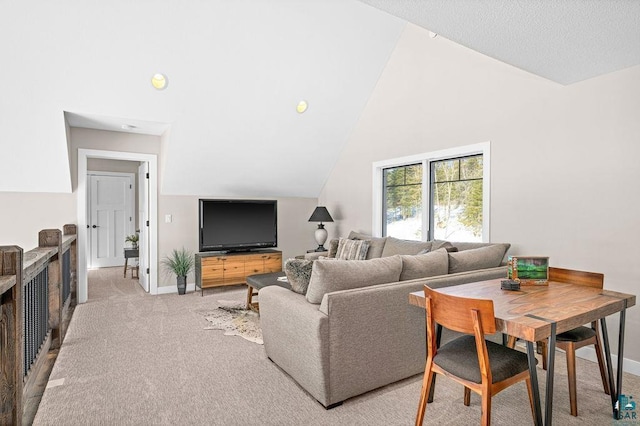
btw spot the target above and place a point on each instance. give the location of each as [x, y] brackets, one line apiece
[483, 148]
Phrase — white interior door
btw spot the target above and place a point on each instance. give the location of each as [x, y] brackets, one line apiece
[143, 217]
[111, 217]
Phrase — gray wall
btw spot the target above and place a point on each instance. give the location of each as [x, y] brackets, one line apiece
[564, 159]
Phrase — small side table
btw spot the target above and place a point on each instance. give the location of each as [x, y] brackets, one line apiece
[129, 254]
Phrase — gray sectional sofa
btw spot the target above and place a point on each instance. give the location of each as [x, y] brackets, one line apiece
[354, 329]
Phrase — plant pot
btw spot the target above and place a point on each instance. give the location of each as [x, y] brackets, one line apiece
[182, 284]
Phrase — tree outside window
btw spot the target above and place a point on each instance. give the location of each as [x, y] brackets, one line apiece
[455, 200]
[403, 197]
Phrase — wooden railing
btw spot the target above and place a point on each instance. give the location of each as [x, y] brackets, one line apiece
[37, 290]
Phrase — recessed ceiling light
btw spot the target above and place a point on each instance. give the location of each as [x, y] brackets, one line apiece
[128, 127]
[159, 81]
[302, 107]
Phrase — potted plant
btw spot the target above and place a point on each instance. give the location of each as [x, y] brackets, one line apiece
[133, 239]
[180, 263]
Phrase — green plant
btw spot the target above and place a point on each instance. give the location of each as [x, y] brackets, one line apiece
[133, 239]
[179, 262]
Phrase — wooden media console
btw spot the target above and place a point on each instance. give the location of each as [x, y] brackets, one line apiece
[216, 269]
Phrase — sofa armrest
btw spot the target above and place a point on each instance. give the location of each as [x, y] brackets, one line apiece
[373, 329]
[296, 336]
[315, 254]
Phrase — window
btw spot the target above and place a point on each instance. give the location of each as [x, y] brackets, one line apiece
[403, 202]
[441, 195]
[456, 199]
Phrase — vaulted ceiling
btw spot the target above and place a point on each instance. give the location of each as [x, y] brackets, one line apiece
[237, 70]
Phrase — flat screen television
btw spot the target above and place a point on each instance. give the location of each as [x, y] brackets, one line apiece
[238, 225]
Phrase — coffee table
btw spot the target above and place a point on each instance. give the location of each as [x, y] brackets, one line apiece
[256, 282]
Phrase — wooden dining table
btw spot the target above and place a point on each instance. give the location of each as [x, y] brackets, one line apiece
[535, 313]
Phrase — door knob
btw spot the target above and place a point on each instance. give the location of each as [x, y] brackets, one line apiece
[95, 226]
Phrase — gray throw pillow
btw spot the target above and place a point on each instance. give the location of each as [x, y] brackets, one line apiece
[352, 249]
[375, 247]
[437, 244]
[395, 246]
[424, 265]
[328, 276]
[298, 273]
[474, 259]
[333, 247]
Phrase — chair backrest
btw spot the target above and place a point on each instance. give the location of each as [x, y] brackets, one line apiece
[456, 313]
[589, 279]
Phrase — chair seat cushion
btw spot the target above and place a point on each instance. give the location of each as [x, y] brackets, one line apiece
[578, 334]
[460, 358]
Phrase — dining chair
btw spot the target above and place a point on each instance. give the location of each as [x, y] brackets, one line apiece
[479, 365]
[578, 337]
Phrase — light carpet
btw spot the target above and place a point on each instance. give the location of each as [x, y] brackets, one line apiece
[134, 359]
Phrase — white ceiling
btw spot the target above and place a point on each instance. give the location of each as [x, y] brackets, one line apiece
[565, 41]
[238, 69]
[115, 124]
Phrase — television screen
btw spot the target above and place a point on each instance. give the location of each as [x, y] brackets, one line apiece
[238, 224]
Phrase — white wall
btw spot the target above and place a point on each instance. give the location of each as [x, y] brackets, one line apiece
[23, 215]
[565, 174]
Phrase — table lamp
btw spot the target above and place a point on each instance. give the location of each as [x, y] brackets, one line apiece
[320, 214]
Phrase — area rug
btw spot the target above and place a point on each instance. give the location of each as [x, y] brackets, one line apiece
[235, 320]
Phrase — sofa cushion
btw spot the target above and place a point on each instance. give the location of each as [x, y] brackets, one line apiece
[298, 273]
[333, 275]
[376, 244]
[352, 249]
[474, 245]
[395, 246]
[424, 265]
[479, 258]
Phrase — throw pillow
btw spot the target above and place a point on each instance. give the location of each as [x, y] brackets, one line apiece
[352, 249]
[298, 273]
[375, 247]
[333, 247]
[395, 246]
[474, 259]
[328, 276]
[424, 265]
[437, 244]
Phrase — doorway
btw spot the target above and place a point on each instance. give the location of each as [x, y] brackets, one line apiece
[149, 231]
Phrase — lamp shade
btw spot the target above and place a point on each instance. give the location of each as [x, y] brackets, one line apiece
[320, 214]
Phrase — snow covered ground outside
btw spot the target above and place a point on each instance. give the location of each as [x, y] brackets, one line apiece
[409, 229]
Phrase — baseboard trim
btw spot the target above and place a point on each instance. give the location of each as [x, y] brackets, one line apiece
[168, 289]
[630, 366]
[589, 353]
